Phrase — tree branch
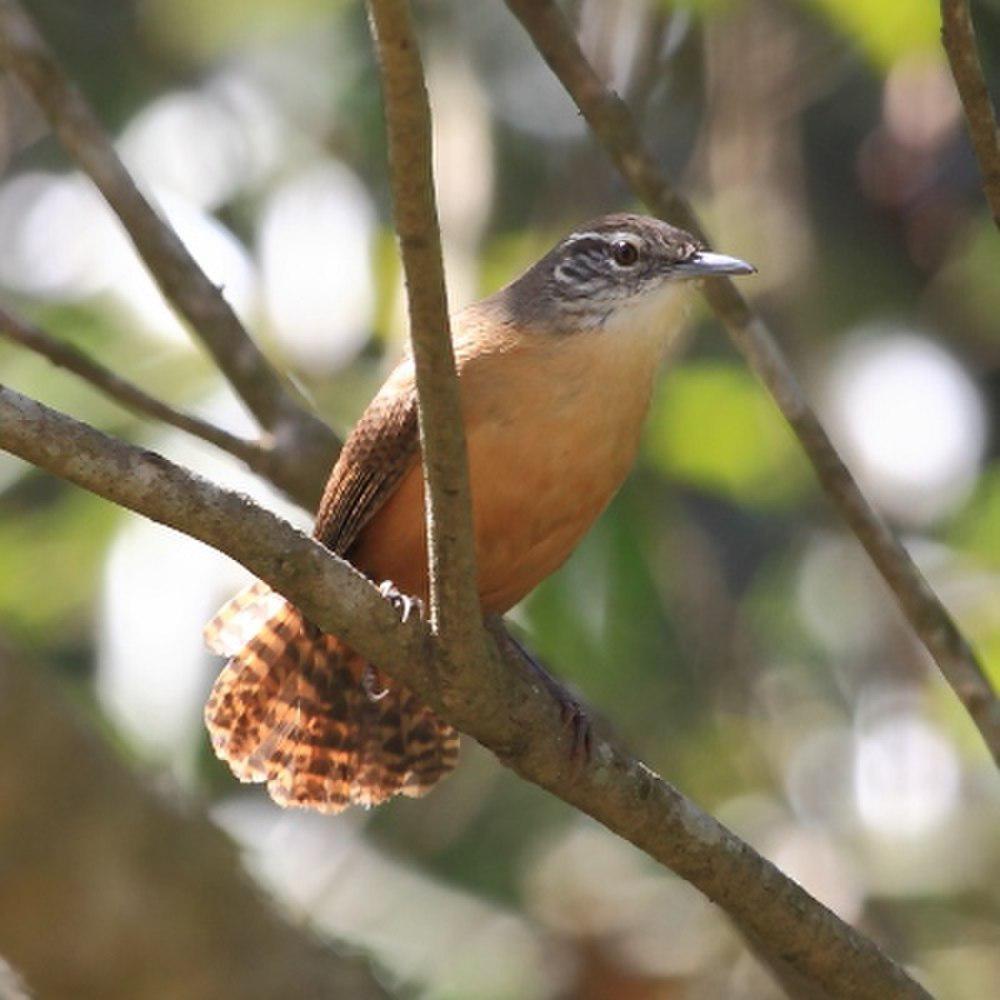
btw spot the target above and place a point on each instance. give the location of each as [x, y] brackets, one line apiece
[959, 37]
[611, 122]
[305, 446]
[129, 395]
[455, 612]
[514, 715]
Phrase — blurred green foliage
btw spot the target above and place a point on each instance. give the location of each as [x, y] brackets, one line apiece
[713, 426]
[886, 30]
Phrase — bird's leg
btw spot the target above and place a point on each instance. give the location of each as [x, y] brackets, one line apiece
[369, 684]
[574, 716]
[404, 604]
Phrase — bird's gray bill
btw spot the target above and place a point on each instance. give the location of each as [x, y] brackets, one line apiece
[708, 265]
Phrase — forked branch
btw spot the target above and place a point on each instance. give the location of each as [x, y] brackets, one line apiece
[305, 446]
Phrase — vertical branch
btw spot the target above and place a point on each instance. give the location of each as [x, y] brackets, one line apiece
[455, 613]
[959, 37]
[615, 128]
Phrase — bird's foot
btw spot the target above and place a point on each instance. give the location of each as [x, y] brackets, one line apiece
[405, 604]
[370, 684]
[577, 723]
[575, 719]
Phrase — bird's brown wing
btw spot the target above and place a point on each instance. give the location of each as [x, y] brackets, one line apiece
[380, 450]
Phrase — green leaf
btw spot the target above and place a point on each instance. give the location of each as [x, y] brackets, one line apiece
[970, 273]
[53, 539]
[886, 29]
[714, 428]
[976, 530]
[192, 27]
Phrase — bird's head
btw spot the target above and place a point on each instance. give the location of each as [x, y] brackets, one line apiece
[616, 271]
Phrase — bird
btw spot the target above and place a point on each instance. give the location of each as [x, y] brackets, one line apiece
[555, 372]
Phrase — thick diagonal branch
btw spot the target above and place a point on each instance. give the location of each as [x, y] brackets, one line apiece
[959, 37]
[304, 443]
[614, 127]
[455, 611]
[516, 717]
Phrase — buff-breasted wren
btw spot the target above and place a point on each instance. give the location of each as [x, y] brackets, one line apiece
[556, 372]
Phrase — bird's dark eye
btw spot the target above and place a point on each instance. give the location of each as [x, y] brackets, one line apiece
[624, 252]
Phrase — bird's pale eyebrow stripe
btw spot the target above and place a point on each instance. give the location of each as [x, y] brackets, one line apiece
[581, 242]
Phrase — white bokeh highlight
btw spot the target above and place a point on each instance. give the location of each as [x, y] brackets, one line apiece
[589, 885]
[840, 599]
[62, 243]
[158, 589]
[423, 931]
[56, 236]
[906, 776]
[910, 420]
[187, 143]
[316, 237]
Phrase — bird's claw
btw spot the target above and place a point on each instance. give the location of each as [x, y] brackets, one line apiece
[369, 684]
[577, 724]
[575, 720]
[404, 604]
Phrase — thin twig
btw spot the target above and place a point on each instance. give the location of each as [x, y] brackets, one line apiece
[455, 612]
[304, 443]
[959, 37]
[517, 718]
[128, 394]
[615, 128]
[648, 66]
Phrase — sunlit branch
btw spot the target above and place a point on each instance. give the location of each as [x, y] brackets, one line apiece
[454, 598]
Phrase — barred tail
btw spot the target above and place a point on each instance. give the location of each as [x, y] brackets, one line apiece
[298, 709]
